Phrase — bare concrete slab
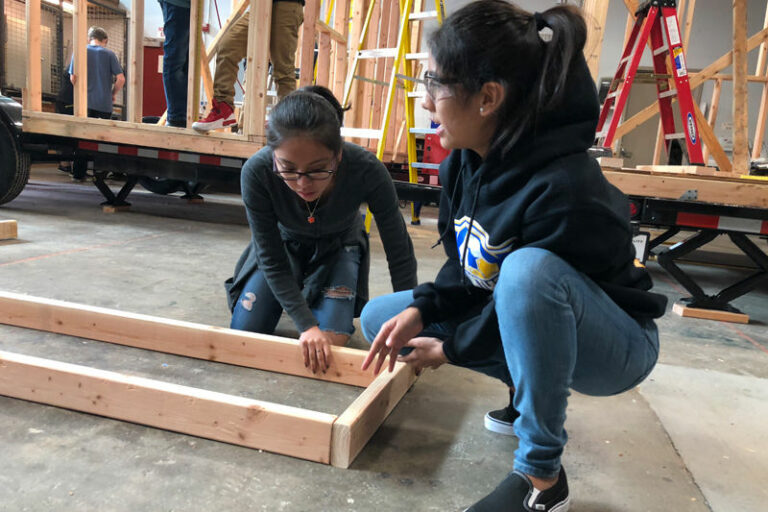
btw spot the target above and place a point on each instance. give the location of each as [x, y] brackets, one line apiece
[718, 422]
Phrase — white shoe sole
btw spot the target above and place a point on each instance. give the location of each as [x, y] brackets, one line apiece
[219, 123]
[499, 427]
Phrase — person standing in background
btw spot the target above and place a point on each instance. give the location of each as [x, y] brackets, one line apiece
[105, 75]
[287, 17]
[175, 59]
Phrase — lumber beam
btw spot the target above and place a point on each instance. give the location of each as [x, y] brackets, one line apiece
[231, 419]
[740, 116]
[136, 62]
[189, 339]
[762, 71]
[720, 190]
[32, 94]
[193, 71]
[714, 107]
[323, 59]
[80, 56]
[257, 60]
[340, 56]
[147, 135]
[710, 314]
[595, 13]
[311, 16]
[358, 423]
[8, 229]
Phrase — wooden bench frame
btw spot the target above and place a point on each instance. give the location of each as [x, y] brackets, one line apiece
[302, 433]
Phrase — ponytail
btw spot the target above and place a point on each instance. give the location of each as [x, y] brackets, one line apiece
[496, 41]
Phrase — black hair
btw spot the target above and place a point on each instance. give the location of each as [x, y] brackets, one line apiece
[496, 41]
[304, 114]
[328, 95]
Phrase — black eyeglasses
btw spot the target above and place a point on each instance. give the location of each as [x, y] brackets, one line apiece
[318, 175]
[433, 82]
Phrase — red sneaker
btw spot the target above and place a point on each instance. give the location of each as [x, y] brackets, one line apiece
[221, 115]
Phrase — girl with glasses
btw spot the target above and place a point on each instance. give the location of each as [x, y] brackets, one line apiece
[308, 254]
[540, 288]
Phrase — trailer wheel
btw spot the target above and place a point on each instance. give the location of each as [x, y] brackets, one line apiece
[14, 167]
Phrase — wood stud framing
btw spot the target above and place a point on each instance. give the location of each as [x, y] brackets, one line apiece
[311, 435]
[80, 56]
[32, 95]
[136, 62]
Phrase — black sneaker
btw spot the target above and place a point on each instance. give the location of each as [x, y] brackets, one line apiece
[517, 494]
[501, 420]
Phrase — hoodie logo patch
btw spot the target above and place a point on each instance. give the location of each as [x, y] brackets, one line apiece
[483, 260]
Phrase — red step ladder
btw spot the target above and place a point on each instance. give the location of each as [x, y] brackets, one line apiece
[656, 19]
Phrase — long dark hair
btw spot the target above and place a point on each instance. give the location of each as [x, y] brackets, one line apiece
[496, 41]
[305, 114]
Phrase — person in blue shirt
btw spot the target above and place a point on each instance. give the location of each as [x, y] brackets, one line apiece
[105, 75]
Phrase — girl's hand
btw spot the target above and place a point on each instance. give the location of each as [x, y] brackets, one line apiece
[426, 353]
[393, 336]
[316, 347]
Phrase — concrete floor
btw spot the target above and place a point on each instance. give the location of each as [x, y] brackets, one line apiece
[691, 438]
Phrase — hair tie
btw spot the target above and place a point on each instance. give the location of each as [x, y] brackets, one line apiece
[541, 23]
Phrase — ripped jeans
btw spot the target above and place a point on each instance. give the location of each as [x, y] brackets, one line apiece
[257, 309]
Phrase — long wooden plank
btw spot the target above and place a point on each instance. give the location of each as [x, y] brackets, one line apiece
[32, 94]
[696, 80]
[8, 229]
[740, 116]
[358, 423]
[256, 71]
[710, 314]
[731, 191]
[595, 13]
[80, 51]
[136, 62]
[189, 339]
[193, 73]
[757, 144]
[714, 107]
[323, 59]
[311, 16]
[231, 419]
[340, 55]
[148, 135]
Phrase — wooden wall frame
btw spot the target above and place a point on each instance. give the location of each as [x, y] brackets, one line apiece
[306, 434]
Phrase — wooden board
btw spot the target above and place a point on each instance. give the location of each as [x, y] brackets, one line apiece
[80, 64]
[710, 314]
[257, 61]
[8, 229]
[680, 169]
[135, 98]
[740, 101]
[32, 94]
[610, 162]
[731, 191]
[272, 353]
[231, 419]
[359, 422]
[147, 135]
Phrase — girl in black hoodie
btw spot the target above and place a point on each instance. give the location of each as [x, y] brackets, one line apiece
[541, 288]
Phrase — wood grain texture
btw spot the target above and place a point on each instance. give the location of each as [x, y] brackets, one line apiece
[80, 50]
[32, 95]
[135, 93]
[710, 314]
[8, 229]
[271, 353]
[231, 419]
[357, 424]
[740, 99]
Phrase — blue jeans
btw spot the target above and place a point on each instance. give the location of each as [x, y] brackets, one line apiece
[257, 309]
[175, 60]
[559, 330]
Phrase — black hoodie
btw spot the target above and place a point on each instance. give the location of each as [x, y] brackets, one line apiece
[547, 192]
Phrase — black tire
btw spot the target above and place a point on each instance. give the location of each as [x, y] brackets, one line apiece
[14, 167]
[161, 186]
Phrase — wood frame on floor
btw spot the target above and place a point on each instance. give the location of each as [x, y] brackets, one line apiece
[297, 432]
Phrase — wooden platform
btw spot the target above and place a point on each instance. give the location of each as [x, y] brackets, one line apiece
[710, 314]
[732, 190]
[141, 134]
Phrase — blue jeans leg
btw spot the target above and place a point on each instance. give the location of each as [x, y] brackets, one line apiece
[257, 309]
[335, 310]
[559, 331]
[175, 59]
[381, 309]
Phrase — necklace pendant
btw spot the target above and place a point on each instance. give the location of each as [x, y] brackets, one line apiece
[311, 219]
